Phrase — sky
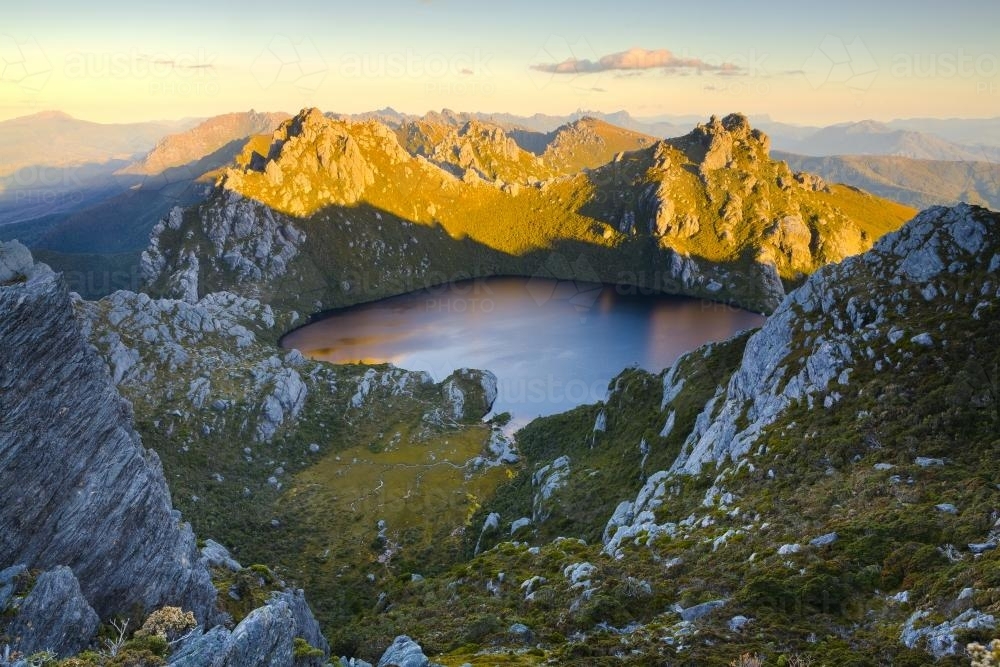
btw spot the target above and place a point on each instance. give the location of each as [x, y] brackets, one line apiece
[793, 61]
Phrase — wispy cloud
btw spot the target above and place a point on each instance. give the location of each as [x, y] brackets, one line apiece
[637, 60]
[176, 64]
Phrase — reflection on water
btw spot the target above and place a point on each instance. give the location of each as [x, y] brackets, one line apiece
[552, 344]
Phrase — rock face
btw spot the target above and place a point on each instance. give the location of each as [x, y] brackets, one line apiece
[248, 240]
[54, 616]
[264, 637]
[484, 151]
[548, 479]
[81, 499]
[190, 346]
[940, 640]
[469, 393]
[827, 326]
[76, 486]
[404, 652]
[15, 261]
[828, 321]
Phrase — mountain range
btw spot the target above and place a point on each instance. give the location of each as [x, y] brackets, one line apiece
[55, 139]
[916, 183]
[820, 490]
[92, 218]
[872, 138]
[353, 215]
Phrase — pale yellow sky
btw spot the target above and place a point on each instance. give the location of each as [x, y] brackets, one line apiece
[109, 64]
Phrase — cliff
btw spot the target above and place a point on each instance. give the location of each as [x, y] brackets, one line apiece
[87, 527]
[76, 485]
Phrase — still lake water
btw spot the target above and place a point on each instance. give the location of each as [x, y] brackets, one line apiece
[553, 345]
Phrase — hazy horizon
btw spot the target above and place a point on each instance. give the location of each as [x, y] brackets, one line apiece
[105, 63]
[677, 117]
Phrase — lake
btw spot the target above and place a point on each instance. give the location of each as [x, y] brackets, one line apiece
[552, 344]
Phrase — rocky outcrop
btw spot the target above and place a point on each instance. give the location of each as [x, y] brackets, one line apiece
[718, 186]
[404, 652]
[829, 322]
[188, 346]
[76, 486]
[248, 240]
[314, 161]
[15, 262]
[469, 393]
[548, 479]
[81, 499]
[807, 350]
[484, 151]
[54, 616]
[374, 384]
[940, 640]
[718, 143]
[265, 637]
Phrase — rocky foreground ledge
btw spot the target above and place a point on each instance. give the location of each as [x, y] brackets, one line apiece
[87, 529]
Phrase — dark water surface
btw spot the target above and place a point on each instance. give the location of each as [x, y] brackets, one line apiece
[552, 344]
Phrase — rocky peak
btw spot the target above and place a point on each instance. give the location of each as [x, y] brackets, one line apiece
[589, 143]
[737, 124]
[314, 161]
[584, 126]
[717, 143]
[306, 123]
[484, 150]
[483, 135]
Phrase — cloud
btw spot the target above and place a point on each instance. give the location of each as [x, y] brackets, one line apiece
[637, 60]
[175, 64]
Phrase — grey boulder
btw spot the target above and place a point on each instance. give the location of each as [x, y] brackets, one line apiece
[54, 616]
